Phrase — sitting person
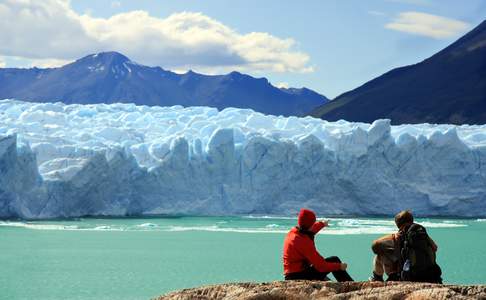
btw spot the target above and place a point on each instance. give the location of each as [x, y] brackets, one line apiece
[395, 256]
[386, 259]
[300, 257]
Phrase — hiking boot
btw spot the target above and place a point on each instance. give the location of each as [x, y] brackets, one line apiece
[376, 277]
[393, 277]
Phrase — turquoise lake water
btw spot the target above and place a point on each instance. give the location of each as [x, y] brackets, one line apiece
[143, 258]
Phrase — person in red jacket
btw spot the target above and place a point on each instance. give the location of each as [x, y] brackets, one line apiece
[300, 257]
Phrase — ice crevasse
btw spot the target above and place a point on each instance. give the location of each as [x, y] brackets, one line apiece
[60, 160]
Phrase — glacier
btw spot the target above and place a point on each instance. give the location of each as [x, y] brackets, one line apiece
[59, 160]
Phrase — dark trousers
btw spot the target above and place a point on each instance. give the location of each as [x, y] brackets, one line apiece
[313, 274]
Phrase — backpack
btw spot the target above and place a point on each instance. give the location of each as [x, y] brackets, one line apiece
[418, 257]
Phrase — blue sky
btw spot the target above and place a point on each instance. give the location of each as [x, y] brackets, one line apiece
[330, 46]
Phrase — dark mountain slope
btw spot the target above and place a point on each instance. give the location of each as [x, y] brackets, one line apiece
[449, 87]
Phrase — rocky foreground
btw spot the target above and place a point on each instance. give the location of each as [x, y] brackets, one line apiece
[296, 290]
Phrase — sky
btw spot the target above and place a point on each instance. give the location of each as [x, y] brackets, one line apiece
[330, 46]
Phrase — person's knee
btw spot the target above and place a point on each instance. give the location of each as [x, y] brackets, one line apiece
[333, 259]
[386, 241]
[376, 247]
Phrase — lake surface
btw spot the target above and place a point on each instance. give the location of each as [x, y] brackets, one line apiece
[143, 258]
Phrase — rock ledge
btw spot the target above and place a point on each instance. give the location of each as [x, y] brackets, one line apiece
[300, 290]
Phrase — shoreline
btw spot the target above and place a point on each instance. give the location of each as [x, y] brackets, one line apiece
[255, 216]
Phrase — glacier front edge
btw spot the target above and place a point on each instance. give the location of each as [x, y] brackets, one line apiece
[60, 160]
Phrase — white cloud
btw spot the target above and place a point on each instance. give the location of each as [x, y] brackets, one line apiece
[427, 25]
[49, 62]
[2, 63]
[284, 85]
[50, 29]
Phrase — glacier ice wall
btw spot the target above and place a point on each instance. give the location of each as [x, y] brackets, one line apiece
[61, 160]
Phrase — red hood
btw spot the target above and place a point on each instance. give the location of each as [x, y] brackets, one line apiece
[306, 218]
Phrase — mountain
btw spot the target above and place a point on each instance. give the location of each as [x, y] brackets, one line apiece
[449, 87]
[111, 77]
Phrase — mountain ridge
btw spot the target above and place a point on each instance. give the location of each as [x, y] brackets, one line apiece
[448, 87]
[109, 77]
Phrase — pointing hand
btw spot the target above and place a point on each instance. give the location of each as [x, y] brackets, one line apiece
[325, 223]
[344, 266]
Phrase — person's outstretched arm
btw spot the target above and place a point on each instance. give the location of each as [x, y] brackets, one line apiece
[317, 226]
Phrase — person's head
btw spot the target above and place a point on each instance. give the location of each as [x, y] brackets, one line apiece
[307, 218]
[403, 218]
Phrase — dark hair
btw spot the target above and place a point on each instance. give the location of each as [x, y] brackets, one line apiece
[403, 217]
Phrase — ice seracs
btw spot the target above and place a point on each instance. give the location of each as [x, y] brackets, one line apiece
[60, 160]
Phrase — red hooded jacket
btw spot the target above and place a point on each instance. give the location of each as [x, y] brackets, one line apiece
[299, 252]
